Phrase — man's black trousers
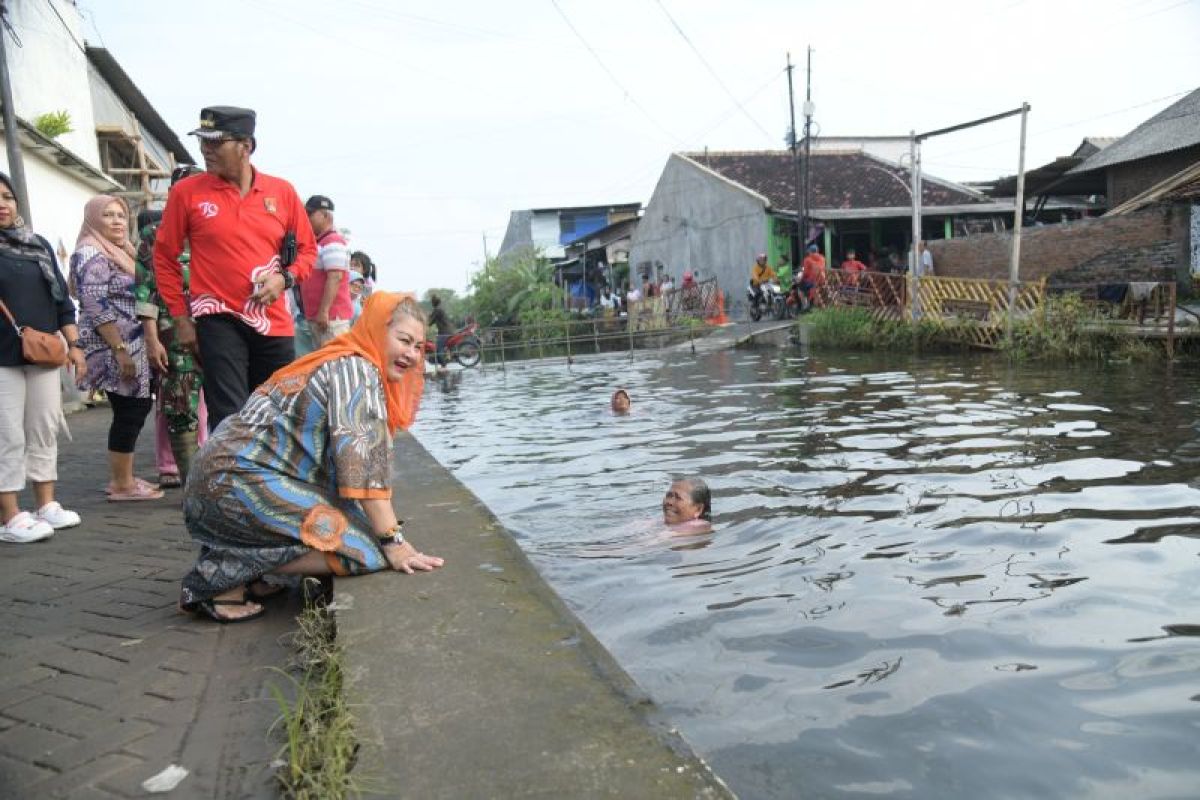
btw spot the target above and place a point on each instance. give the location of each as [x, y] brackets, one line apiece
[236, 359]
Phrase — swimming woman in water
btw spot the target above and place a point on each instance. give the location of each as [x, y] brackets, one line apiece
[687, 507]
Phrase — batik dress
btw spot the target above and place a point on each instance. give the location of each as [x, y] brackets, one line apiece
[283, 477]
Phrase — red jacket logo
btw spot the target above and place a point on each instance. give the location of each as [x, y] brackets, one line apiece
[209, 210]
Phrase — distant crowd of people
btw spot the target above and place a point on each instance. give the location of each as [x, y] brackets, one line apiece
[804, 291]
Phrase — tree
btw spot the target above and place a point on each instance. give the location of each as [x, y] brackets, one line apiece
[501, 292]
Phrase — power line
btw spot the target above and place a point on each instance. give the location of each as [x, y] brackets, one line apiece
[710, 69]
[66, 27]
[628, 96]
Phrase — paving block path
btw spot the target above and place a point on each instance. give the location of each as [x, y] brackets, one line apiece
[103, 683]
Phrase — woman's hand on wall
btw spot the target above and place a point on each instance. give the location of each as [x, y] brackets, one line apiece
[405, 558]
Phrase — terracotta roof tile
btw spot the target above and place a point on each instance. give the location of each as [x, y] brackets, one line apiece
[840, 179]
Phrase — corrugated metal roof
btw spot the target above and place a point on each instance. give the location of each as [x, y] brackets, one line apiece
[1173, 128]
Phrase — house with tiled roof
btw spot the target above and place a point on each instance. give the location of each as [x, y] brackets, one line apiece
[715, 211]
[1160, 147]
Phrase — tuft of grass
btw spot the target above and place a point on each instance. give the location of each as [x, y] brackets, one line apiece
[316, 723]
[1065, 329]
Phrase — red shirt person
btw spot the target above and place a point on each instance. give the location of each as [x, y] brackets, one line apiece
[853, 268]
[812, 273]
[236, 221]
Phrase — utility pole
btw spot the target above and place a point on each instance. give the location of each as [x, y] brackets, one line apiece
[12, 134]
[795, 145]
[914, 281]
[808, 115]
[1014, 266]
[914, 149]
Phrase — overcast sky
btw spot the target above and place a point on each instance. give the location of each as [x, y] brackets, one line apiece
[427, 122]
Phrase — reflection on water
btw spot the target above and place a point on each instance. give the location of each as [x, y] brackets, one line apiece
[930, 578]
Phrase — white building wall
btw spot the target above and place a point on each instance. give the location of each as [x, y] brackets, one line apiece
[697, 220]
[50, 71]
[545, 231]
[56, 200]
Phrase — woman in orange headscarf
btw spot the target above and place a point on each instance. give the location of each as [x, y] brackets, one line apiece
[299, 481]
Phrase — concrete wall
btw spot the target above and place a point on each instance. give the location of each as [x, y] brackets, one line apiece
[50, 72]
[697, 220]
[1150, 244]
[545, 231]
[1126, 181]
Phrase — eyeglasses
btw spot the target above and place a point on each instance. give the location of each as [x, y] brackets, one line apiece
[215, 143]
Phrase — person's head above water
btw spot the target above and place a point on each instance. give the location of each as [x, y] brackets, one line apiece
[687, 501]
[620, 401]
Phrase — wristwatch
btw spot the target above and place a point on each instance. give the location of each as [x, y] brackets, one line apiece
[289, 280]
[75, 344]
[395, 535]
[119, 348]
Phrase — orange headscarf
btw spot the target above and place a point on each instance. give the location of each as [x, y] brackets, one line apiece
[368, 338]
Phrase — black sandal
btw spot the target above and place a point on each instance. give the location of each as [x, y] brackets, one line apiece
[209, 608]
[264, 590]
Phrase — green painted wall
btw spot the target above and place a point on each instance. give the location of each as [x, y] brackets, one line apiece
[779, 243]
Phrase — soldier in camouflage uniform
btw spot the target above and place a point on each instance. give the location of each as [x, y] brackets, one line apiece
[179, 387]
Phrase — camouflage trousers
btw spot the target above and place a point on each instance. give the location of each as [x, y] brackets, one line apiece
[179, 392]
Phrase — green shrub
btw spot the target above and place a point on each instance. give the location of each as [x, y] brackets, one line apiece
[53, 124]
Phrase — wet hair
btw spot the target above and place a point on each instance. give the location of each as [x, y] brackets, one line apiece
[700, 495]
[409, 307]
[434, 300]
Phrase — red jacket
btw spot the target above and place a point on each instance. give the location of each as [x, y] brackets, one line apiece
[233, 240]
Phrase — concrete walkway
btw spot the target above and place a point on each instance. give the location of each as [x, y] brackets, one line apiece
[475, 680]
[103, 683]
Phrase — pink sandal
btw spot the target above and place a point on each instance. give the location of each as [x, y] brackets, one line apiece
[142, 485]
[141, 491]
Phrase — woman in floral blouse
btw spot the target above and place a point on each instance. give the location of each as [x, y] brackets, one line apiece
[112, 336]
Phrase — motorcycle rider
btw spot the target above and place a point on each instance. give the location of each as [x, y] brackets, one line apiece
[439, 320]
[760, 273]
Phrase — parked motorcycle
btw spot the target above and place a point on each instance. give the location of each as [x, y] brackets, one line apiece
[463, 346]
[769, 300]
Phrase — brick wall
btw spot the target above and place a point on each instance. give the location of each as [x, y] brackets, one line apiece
[1150, 244]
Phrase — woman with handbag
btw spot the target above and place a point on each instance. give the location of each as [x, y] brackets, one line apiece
[30, 395]
[113, 338]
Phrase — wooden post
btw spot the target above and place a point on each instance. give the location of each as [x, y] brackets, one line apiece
[595, 336]
[629, 330]
[503, 365]
[568, 341]
[541, 339]
[1171, 322]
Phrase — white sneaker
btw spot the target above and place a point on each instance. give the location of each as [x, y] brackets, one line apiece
[25, 528]
[57, 517]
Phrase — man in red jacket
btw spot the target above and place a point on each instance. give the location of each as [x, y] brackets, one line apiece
[250, 241]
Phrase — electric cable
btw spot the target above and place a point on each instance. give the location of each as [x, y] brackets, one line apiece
[710, 69]
[66, 27]
[612, 76]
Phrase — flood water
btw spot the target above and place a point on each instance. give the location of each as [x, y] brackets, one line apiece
[942, 577]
